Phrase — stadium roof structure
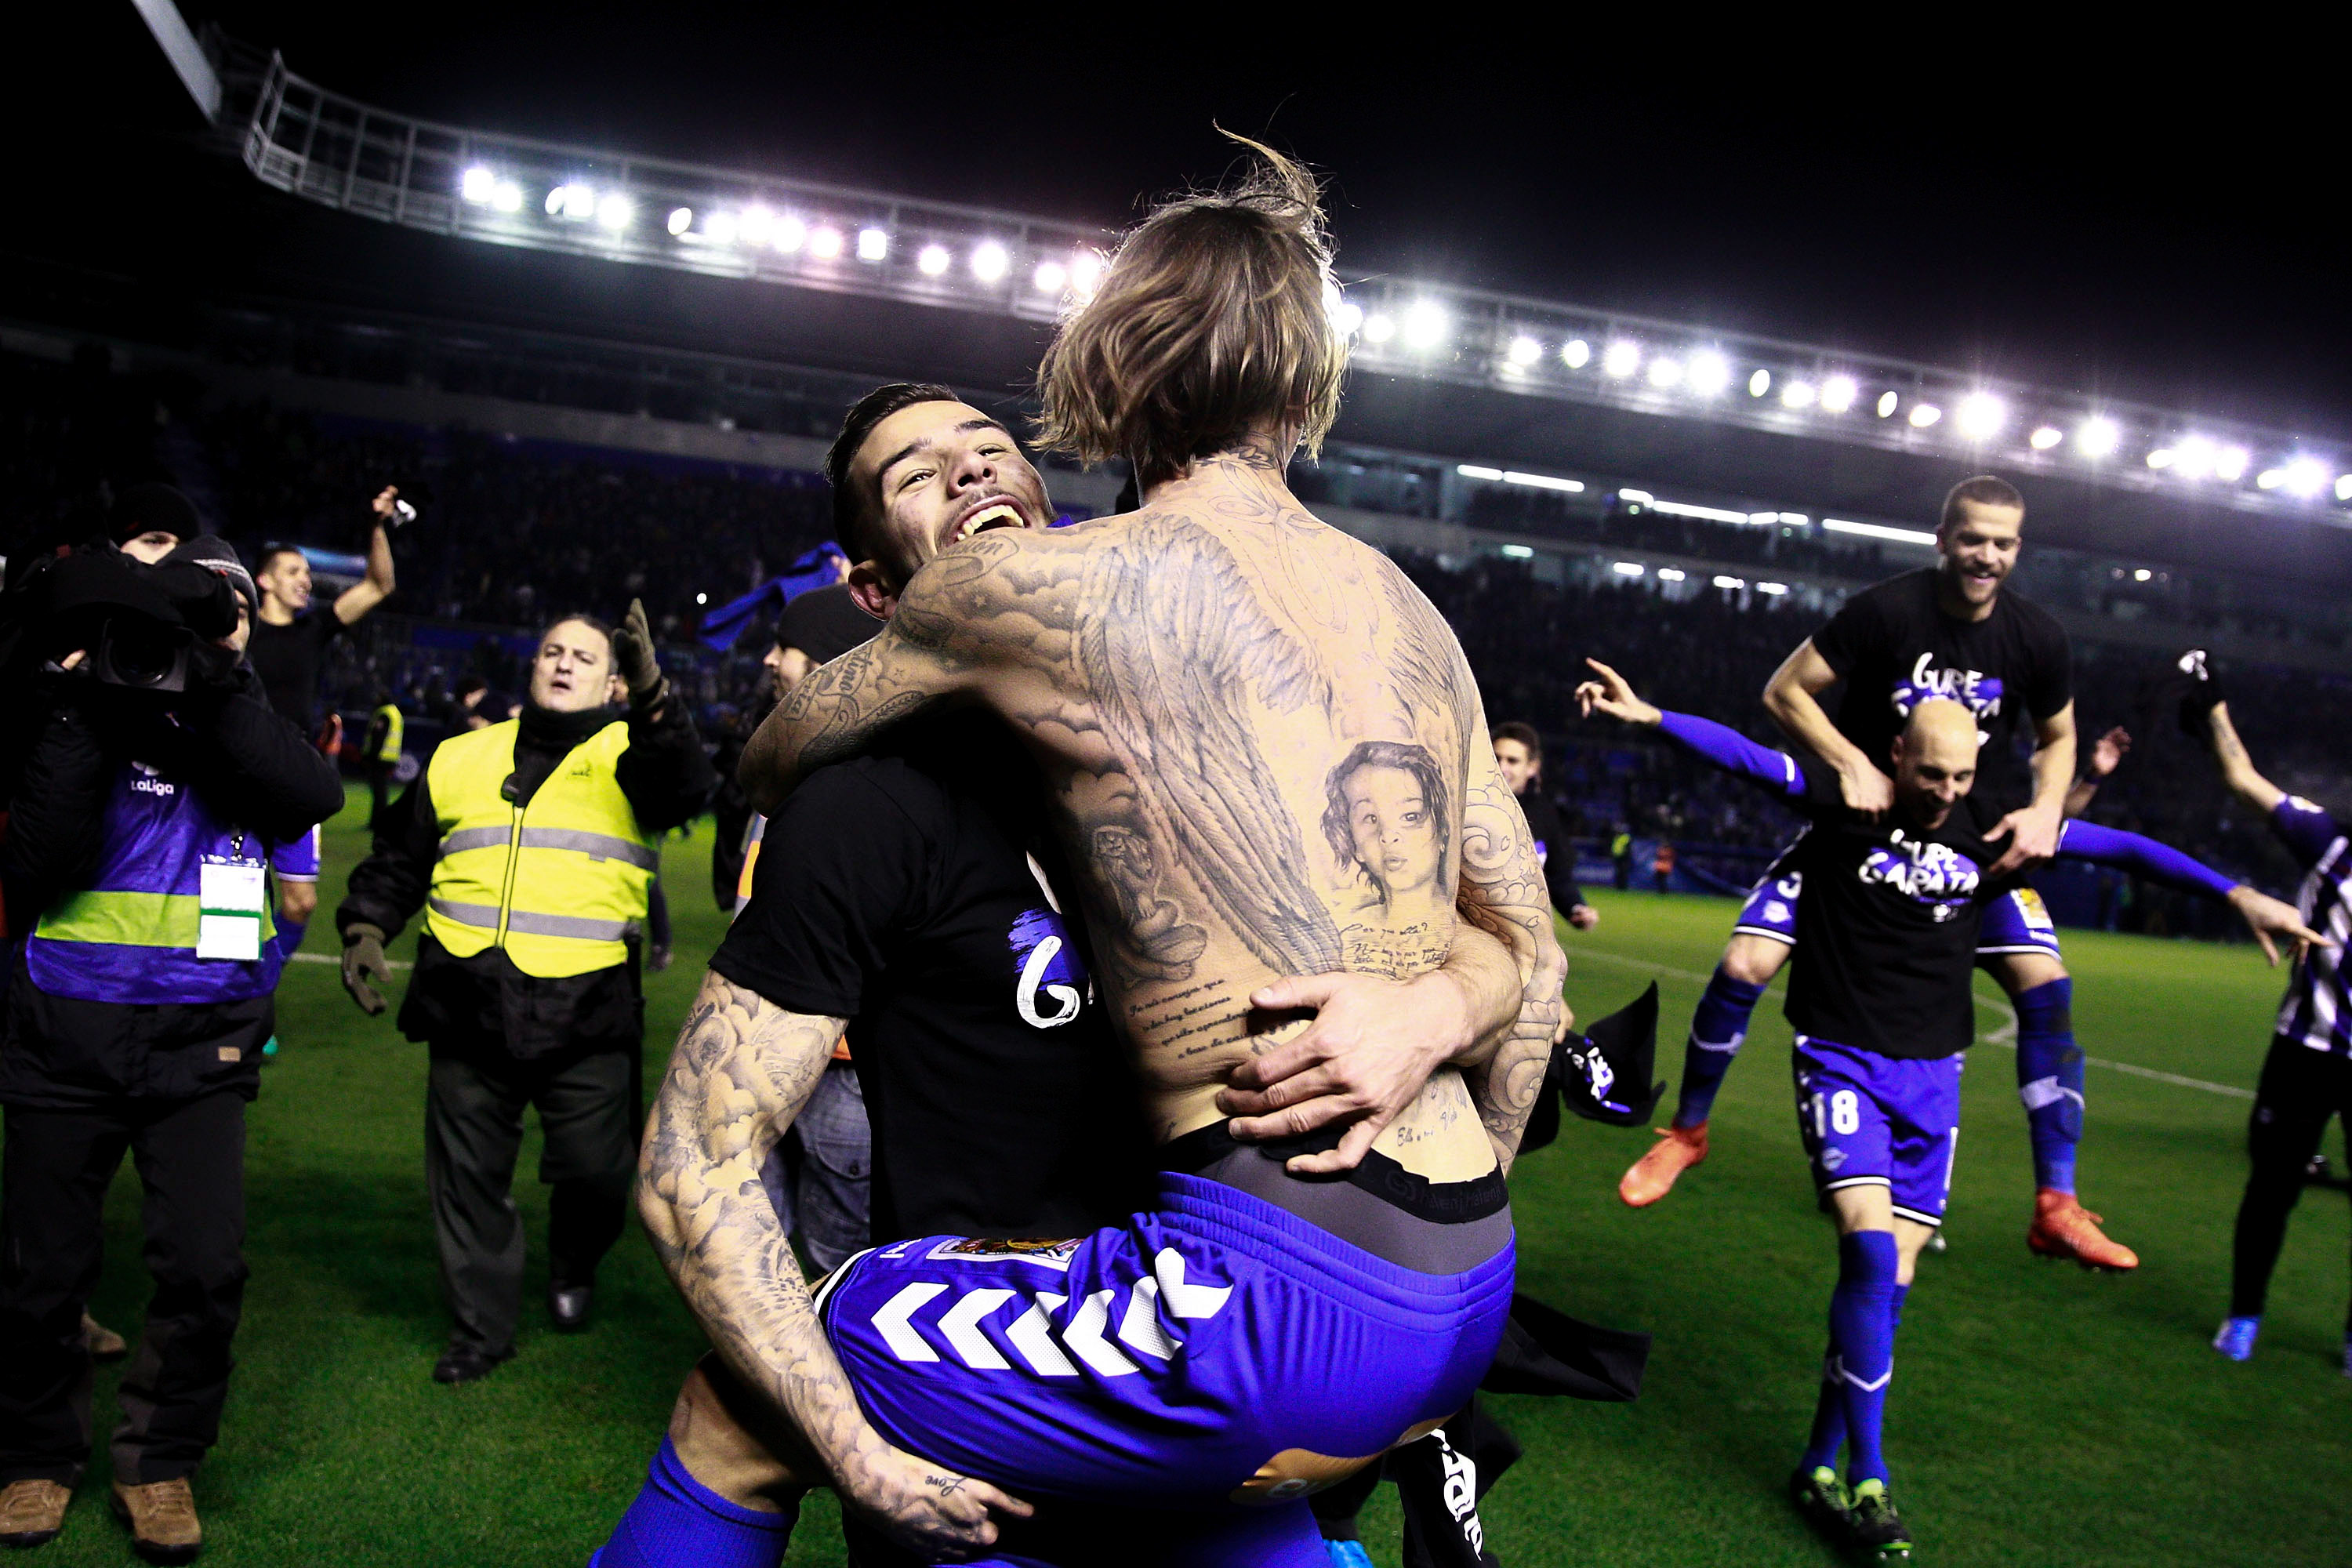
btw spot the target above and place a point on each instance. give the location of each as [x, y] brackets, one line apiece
[326, 148]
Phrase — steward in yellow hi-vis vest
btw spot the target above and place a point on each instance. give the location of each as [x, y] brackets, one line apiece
[531, 848]
[556, 880]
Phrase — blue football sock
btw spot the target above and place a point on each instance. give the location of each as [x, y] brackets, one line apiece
[678, 1523]
[1829, 1412]
[1716, 1030]
[1862, 1333]
[2050, 1081]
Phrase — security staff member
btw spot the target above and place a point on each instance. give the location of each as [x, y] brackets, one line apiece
[387, 727]
[530, 846]
[139, 854]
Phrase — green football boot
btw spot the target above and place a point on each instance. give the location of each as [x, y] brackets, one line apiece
[1822, 1499]
[1874, 1526]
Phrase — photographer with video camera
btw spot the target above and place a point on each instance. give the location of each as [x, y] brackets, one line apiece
[154, 792]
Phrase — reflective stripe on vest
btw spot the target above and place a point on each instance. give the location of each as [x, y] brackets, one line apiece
[555, 883]
[132, 920]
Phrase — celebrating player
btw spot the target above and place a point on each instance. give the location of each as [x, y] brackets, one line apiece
[2307, 1076]
[1948, 631]
[1888, 929]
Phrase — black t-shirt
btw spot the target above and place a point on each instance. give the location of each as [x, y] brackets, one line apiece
[1555, 850]
[287, 658]
[897, 891]
[1886, 933]
[1894, 647]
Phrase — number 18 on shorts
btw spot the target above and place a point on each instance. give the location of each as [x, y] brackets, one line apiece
[1875, 1121]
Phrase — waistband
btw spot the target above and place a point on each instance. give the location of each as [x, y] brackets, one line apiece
[1317, 1259]
[1440, 1203]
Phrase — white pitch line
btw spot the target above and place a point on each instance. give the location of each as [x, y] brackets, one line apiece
[2005, 1034]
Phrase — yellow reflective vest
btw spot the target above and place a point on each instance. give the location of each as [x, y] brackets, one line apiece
[395, 722]
[556, 883]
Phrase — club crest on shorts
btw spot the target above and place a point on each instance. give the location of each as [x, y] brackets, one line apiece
[1055, 1252]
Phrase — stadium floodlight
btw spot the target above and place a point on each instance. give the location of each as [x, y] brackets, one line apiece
[2162, 458]
[507, 197]
[1087, 272]
[1776, 589]
[1478, 471]
[2229, 463]
[2306, 476]
[757, 226]
[1837, 393]
[1887, 404]
[1638, 497]
[933, 259]
[1051, 278]
[1424, 324]
[1760, 384]
[1671, 573]
[1621, 359]
[2270, 479]
[1543, 482]
[615, 211]
[1519, 552]
[1981, 415]
[572, 200]
[479, 186]
[2142, 574]
[2098, 436]
[721, 228]
[1346, 317]
[2193, 457]
[1576, 353]
[1878, 530]
[872, 244]
[1628, 568]
[2344, 487]
[1731, 582]
[1924, 415]
[1525, 350]
[680, 220]
[991, 261]
[791, 234]
[1710, 373]
[1377, 329]
[702, 598]
[825, 244]
[1798, 395]
[1666, 373]
[2045, 436]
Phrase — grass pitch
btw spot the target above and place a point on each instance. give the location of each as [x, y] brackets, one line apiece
[2039, 1415]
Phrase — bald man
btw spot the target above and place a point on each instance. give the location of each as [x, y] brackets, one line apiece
[1879, 999]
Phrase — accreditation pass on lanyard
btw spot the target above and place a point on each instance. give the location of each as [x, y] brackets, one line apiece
[229, 894]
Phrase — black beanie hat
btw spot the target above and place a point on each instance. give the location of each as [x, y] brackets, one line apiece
[219, 556]
[825, 623]
[150, 508]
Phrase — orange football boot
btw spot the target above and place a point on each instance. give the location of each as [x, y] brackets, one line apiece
[2064, 1228]
[1652, 1176]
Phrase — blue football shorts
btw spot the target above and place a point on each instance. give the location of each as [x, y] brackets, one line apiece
[1874, 1121]
[1212, 1355]
[2016, 921]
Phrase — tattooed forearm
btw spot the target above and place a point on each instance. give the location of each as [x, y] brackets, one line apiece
[1503, 893]
[742, 1069]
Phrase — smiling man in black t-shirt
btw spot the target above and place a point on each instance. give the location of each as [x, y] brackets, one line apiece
[1947, 631]
[290, 639]
[908, 902]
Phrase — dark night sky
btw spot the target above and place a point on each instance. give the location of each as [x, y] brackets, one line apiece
[2167, 227]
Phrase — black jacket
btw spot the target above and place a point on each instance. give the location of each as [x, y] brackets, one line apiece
[249, 765]
[1558, 849]
[484, 1002]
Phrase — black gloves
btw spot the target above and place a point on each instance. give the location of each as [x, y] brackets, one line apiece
[633, 660]
[363, 961]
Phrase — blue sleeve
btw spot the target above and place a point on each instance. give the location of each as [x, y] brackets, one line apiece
[2081, 840]
[1735, 753]
[297, 859]
[2308, 831]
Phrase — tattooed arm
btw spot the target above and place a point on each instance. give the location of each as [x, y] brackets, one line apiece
[1503, 893]
[965, 616]
[742, 1070]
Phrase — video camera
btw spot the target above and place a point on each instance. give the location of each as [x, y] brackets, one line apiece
[138, 624]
